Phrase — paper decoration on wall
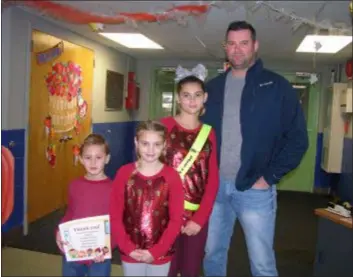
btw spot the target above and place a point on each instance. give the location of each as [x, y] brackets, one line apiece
[76, 153]
[50, 54]
[63, 84]
[66, 106]
[47, 125]
[51, 155]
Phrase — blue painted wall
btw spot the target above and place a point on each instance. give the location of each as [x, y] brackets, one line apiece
[18, 151]
[322, 178]
[345, 186]
[120, 139]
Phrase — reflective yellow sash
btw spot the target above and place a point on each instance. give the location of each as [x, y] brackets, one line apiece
[194, 151]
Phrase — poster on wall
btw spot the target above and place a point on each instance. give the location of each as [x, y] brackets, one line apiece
[84, 239]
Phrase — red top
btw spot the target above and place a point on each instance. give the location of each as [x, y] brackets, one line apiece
[88, 198]
[146, 212]
[202, 180]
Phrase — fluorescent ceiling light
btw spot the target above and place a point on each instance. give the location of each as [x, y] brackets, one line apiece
[327, 44]
[132, 40]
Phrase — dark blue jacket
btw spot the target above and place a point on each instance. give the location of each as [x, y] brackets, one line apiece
[272, 123]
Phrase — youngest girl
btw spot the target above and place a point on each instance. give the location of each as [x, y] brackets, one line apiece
[147, 206]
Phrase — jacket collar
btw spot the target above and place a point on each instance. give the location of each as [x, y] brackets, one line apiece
[253, 70]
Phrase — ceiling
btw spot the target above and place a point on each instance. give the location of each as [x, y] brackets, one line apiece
[278, 41]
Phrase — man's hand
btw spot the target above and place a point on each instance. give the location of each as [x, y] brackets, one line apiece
[261, 184]
[191, 228]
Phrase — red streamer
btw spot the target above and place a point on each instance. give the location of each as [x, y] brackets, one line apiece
[76, 16]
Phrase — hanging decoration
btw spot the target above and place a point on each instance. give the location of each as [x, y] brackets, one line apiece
[51, 155]
[50, 54]
[63, 83]
[298, 21]
[351, 7]
[177, 13]
[313, 78]
[47, 126]
[66, 106]
[96, 27]
[76, 153]
[72, 15]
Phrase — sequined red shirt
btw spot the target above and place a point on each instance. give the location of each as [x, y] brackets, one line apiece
[146, 212]
[202, 180]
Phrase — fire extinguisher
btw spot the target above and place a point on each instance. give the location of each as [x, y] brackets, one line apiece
[131, 101]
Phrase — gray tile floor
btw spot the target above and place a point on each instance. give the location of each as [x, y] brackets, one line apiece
[294, 243]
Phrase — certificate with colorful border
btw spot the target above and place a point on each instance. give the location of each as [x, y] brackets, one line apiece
[86, 238]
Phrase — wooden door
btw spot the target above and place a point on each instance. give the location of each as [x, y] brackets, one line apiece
[59, 119]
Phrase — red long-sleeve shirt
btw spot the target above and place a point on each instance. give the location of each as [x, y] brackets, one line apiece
[88, 198]
[202, 215]
[119, 205]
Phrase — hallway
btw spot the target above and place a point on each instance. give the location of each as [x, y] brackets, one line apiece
[294, 243]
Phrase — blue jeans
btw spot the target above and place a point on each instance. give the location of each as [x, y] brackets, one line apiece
[95, 269]
[256, 211]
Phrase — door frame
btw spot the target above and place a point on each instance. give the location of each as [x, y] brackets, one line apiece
[28, 66]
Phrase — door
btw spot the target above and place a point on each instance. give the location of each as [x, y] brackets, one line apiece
[302, 178]
[59, 119]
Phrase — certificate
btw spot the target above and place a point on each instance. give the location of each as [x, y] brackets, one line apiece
[86, 238]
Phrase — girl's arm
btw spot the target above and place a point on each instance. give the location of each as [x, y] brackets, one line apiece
[119, 235]
[176, 210]
[211, 188]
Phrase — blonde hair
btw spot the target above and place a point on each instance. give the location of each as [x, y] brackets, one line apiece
[94, 139]
[154, 126]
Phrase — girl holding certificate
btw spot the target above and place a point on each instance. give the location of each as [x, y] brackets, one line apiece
[147, 206]
[191, 149]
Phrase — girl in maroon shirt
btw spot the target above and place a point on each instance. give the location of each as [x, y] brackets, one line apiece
[201, 181]
[147, 206]
[89, 196]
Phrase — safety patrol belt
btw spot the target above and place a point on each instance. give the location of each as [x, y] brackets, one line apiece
[194, 151]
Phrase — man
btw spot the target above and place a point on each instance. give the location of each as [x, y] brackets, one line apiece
[262, 135]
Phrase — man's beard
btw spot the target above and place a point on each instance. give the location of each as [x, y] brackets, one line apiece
[245, 64]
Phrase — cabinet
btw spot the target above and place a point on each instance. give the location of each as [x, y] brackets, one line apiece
[334, 250]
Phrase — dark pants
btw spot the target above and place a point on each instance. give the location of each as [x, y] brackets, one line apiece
[189, 254]
[94, 269]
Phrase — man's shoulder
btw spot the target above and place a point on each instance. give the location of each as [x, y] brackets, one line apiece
[215, 81]
[269, 75]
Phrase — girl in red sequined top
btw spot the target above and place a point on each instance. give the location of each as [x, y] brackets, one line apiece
[147, 206]
[201, 181]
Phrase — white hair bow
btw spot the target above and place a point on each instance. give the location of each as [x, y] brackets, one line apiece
[198, 71]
